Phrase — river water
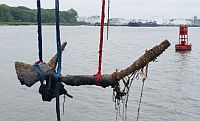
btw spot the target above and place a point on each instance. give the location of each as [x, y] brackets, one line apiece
[171, 91]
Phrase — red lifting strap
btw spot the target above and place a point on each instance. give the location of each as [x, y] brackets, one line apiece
[98, 74]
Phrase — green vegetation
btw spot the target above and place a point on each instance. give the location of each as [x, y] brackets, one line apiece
[25, 16]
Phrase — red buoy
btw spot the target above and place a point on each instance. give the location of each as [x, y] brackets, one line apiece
[183, 39]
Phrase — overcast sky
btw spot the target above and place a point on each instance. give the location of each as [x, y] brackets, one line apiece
[123, 8]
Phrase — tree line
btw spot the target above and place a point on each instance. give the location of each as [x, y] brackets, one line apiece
[24, 14]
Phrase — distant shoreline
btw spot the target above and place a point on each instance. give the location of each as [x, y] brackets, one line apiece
[33, 23]
[17, 23]
[75, 24]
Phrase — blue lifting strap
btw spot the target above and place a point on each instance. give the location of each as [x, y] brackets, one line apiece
[59, 58]
[55, 76]
[36, 66]
[39, 21]
[40, 72]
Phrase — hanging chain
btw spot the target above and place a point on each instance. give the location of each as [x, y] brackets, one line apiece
[138, 112]
[122, 95]
[141, 93]
[64, 98]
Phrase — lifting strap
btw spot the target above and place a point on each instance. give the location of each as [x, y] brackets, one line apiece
[56, 75]
[39, 21]
[98, 74]
[59, 58]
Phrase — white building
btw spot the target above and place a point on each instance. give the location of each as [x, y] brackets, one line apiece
[180, 21]
[118, 21]
[82, 19]
[93, 19]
